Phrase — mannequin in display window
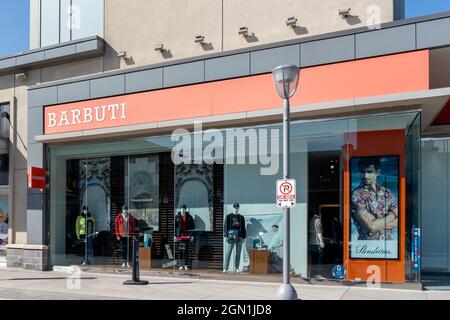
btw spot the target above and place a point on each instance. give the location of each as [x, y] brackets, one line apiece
[234, 233]
[184, 224]
[316, 244]
[125, 229]
[85, 230]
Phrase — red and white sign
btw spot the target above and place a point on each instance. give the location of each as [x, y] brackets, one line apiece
[286, 193]
[36, 178]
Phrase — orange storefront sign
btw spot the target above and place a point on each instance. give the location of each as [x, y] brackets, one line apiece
[397, 73]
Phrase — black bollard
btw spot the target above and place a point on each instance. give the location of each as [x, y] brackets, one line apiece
[135, 275]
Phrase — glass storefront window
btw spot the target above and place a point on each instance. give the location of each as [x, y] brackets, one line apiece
[233, 223]
[325, 161]
[436, 212]
[50, 22]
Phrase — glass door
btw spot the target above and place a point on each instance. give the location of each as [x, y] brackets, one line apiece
[138, 220]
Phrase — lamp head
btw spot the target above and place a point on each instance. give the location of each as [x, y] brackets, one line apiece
[285, 78]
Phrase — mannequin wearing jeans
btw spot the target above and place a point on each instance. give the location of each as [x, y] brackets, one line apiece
[125, 228]
[234, 233]
[85, 230]
[184, 224]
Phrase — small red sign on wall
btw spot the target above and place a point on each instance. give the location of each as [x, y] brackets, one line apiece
[36, 178]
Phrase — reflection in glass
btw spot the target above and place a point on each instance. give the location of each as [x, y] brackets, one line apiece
[87, 18]
[49, 22]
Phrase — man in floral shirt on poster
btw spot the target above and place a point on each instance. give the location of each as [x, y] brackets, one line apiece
[373, 207]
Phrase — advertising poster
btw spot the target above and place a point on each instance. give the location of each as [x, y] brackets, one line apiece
[374, 207]
[264, 231]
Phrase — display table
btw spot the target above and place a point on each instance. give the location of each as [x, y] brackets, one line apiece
[259, 261]
[145, 258]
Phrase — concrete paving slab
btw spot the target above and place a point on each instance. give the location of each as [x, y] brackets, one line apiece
[52, 285]
[382, 294]
[438, 295]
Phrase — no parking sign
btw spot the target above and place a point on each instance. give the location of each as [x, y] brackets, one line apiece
[286, 193]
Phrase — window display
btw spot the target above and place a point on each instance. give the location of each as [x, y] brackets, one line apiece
[184, 224]
[194, 188]
[125, 230]
[85, 232]
[340, 197]
[95, 190]
[264, 234]
[374, 207]
[142, 190]
[235, 233]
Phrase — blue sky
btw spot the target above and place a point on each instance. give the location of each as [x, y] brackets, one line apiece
[14, 20]
[416, 8]
[14, 26]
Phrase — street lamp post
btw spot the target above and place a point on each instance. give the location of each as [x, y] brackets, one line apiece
[285, 78]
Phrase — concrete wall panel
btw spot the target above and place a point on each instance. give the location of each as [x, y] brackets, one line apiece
[73, 92]
[263, 61]
[227, 67]
[109, 86]
[144, 80]
[386, 41]
[327, 51]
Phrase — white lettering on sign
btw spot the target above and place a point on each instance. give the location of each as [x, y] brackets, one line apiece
[51, 119]
[63, 119]
[87, 115]
[111, 112]
[122, 107]
[76, 116]
[286, 193]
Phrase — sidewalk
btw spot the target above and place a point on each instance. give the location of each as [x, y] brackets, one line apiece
[19, 284]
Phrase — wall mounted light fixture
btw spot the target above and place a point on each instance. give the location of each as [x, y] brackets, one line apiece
[243, 31]
[200, 40]
[291, 22]
[345, 13]
[159, 47]
[123, 55]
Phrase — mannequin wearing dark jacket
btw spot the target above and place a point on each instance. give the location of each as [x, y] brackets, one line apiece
[184, 223]
[234, 232]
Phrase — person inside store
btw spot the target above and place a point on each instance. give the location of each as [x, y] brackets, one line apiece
[234, 234]
[316, 245]
[125, 230]
[276, 248]
[85, 231]
[373, 207]
[184, 224]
